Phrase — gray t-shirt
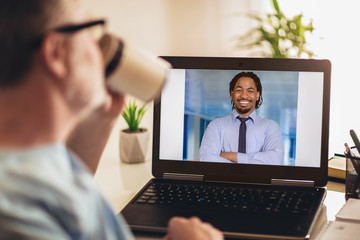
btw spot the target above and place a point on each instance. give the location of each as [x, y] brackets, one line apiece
[47, 193]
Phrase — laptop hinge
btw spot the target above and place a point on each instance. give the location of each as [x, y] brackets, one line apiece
[179, 176]
[290, 182]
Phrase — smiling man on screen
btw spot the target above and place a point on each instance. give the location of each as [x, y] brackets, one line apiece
[243, 136]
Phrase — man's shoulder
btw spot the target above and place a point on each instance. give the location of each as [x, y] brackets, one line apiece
[267, 121]
[49, 168]
[221, 120]
[51, 183]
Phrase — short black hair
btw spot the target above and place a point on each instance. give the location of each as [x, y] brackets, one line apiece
[21, 22]
[257, 81]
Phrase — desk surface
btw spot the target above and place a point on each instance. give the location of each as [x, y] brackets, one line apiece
[119, 182]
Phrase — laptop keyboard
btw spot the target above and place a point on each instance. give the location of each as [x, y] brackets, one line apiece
[262, 200]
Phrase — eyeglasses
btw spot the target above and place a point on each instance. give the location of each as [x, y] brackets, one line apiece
[96, 29]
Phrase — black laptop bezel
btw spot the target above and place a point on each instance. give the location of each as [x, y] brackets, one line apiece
[247, 173]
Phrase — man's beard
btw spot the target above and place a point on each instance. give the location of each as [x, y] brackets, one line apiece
[242, 110]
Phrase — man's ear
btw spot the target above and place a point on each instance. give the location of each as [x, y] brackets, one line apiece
[53, 51]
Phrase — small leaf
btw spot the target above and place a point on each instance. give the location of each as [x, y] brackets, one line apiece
[133, 115]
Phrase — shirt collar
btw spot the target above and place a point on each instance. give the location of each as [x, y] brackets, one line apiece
[253, 116]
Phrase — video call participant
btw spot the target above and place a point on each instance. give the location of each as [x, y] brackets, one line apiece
[257, 141]
[56, 117]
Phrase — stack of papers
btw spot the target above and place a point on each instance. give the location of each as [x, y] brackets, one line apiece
[347, 223]
[337, 167]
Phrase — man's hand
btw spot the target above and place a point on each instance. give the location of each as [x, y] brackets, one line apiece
[191, 229]
[114, 104]
[90, 135]
[232, 156]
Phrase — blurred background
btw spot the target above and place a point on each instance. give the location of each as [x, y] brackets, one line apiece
[218, 27]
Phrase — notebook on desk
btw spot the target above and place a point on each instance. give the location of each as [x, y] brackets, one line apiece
[296, 95]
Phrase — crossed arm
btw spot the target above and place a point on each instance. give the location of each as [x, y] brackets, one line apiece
[216, 147]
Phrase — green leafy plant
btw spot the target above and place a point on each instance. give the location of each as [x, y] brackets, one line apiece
[285, 37]
[133, 116]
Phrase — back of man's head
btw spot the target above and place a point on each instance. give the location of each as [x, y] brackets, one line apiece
[22, 22]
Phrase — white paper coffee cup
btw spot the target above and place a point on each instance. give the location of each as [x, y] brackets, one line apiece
[131, 70]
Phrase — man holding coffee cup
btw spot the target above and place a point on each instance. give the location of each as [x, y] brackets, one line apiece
[55, 110]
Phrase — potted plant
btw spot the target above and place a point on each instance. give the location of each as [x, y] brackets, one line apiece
[133, 140]
[278, 36]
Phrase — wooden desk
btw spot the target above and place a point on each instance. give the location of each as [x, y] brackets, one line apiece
[119, 182]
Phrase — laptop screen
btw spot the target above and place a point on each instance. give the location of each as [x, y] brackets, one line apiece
[197, 116]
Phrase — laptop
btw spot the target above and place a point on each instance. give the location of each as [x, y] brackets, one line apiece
[296, 95]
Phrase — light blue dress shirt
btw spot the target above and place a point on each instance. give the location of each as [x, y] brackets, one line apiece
[263, 140]
[47, 193]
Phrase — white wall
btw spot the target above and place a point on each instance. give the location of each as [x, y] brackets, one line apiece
[186, 27]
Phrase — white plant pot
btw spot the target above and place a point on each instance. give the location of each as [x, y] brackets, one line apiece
[134, 145]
